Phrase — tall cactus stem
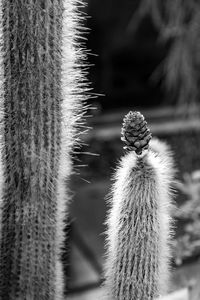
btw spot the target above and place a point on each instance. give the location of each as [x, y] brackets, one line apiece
[43, 88]
[139, 223]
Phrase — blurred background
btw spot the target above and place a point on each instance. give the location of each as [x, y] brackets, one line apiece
[143, 55]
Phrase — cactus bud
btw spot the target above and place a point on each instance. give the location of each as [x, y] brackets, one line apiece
[135, 132]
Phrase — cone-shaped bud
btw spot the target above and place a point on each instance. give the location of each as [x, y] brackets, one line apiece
[135, 132]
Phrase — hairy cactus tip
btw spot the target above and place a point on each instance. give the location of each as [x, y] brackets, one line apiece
[138, 244]
[135, 133]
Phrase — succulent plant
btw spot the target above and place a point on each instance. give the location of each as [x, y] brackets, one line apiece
[42, 89]
[139, 222]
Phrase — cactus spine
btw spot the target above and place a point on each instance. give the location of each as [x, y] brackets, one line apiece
[139, 219]
[42, 89]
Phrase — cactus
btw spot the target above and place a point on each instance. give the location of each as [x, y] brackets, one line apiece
[42, 86]
[139, 226]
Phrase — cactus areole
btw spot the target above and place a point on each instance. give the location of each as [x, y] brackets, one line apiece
[138, 236]
[42, 87]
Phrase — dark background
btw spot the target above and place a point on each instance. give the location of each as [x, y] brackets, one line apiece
[126, 58]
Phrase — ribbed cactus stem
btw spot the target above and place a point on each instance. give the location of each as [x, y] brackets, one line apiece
[41, 99]
[138, 235]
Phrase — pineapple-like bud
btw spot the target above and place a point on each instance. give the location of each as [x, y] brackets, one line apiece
[135, 132]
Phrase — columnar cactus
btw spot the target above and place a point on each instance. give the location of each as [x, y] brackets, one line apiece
[138, 236]
[42, 88]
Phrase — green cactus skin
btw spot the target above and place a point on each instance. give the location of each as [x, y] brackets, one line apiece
[42, 95]
[139, 226]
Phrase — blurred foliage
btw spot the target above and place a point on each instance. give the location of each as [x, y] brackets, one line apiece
[187, 244]
[178, 23]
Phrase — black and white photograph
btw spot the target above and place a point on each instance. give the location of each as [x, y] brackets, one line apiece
[99, 150]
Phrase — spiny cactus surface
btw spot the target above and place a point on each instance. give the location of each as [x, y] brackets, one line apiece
[138, 236]
[42, 89]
